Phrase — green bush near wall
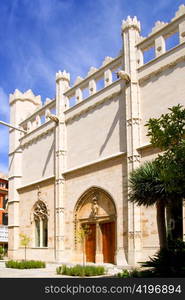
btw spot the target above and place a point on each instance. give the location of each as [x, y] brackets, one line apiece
[25, 264]
[81, 271]
[1, 252]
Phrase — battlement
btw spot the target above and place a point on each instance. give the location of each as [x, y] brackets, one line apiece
[99, 79]
[131, 23]
[163, 37]
[26, 96]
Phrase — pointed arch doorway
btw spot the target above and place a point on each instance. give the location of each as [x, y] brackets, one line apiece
[96, 213]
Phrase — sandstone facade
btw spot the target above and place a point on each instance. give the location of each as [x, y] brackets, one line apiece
[70, 166]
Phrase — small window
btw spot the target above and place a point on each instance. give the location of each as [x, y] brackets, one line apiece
[41, 224]
[5, 202]
[5, 219]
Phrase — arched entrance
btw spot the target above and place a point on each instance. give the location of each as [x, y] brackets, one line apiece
[95, 212]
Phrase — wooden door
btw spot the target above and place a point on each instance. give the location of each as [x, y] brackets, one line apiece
[90, 243]
[108, 234]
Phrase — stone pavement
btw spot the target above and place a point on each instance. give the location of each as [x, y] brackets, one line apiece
[48, 272]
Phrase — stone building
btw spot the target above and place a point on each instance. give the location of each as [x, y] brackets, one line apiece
[70, 166]
[3, 211]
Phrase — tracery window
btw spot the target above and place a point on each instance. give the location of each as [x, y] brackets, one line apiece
[41, 224]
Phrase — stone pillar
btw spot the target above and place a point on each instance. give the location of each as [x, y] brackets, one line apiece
[20, 105]
[160, 46]
[62, 84]
[92, 87]
[131, 35]
[182, 32]
[41, 232]
[78, 94]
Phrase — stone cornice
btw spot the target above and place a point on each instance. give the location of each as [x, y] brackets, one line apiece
[13, 201]
[14, 176]
[35, 182]
[93, 162]
[35, 135]
[162, 69]
[144, 146]
[38, 111]
[97, 74]
[165, 30]
[95, 104]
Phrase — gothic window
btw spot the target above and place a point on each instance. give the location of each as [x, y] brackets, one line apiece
[41, 224]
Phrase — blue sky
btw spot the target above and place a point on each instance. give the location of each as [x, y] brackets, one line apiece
[40, 37]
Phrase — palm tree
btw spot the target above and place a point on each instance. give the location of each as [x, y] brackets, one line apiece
[147, 189]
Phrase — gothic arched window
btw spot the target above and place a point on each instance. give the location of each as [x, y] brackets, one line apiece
[40, 214]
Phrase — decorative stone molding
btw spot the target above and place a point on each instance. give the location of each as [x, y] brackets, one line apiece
[131, 23]
[94, 205]
[60, 152]
[107, 60]
[179, 12]
[60, 237]
[89, 108]
[62, 76]
[60, 180]
[123, 75]
[92, 70]
[40, 209]
[162, 69]
[59, 210]
[158, 25]
[134, 234]
[27, 96]
[37, 138]
[52, 117]
[134, 158]
[133, 121]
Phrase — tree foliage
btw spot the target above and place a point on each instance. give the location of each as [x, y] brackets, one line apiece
[145, 185]
[168, 134]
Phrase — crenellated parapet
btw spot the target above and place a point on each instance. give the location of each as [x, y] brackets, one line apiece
[26, 96]
[131, 23]
[163, 38]
[179, 12]
[62, 76]
[107, 60]
[158, 25]
[97, 79]
[92, 70]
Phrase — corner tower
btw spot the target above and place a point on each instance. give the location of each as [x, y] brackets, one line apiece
[21, 104]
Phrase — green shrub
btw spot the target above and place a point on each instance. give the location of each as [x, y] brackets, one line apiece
[124, 274]
[25, 264]
[135, 273]
[79, 270]
[2, 252]
[168, 262]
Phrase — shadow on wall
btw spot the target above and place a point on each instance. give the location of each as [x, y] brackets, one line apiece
[48, 157]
